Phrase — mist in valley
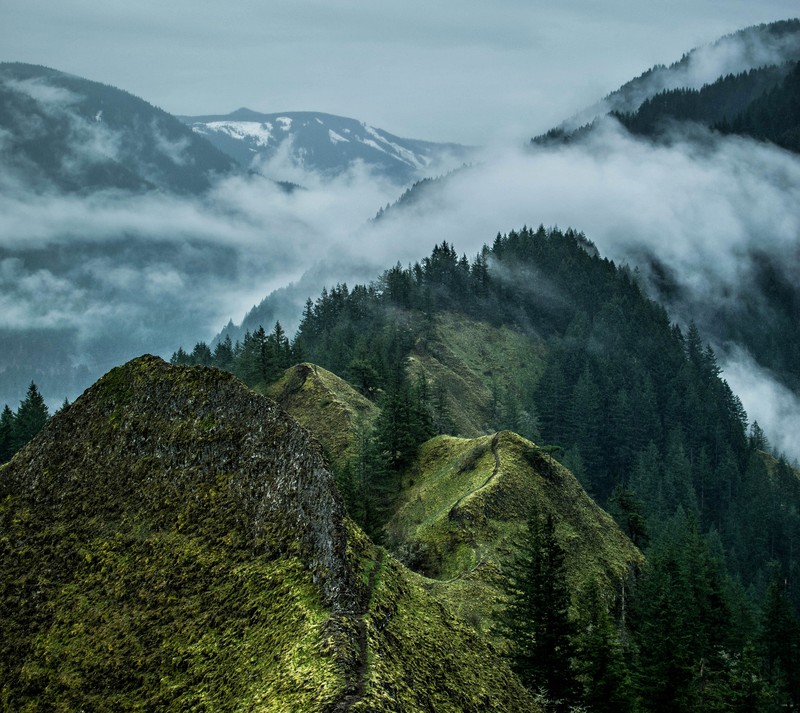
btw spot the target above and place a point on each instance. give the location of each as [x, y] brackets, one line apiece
[89, 280]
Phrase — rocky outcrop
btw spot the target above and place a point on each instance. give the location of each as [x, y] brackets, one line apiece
[148, 430]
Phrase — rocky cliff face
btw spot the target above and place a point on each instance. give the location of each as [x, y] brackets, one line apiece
[173, 541]
[159, 435]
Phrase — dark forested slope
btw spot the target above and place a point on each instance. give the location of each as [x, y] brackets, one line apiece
[75, 135]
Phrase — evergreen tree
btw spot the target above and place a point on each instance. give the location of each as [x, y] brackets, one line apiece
[223, 354]
[201, 355]
[780, 642]
[627, 510]
[681, 619]
[6, 434]
[603, 673]
[30, 418]
[536, 619]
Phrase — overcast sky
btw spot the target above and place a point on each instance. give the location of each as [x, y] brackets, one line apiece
[465, 71]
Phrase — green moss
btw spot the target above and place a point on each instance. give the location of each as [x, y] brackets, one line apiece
[464, 509]
[421, 657]
[186, 621]
[470, 363]
[191, 554]
[139, 572]
[326, 405]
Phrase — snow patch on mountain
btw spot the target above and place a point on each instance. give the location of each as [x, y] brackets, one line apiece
[323, 143]
[258, 132]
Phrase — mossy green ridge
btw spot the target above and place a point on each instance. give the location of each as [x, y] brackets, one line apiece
[173, 541]
[326, 405]
[470, 365]
[420, 656]
[465, 506]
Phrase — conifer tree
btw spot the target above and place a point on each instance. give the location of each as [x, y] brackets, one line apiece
[536, 620]
[6, 434]
[30, 417]
[603, 672]
[780, 642]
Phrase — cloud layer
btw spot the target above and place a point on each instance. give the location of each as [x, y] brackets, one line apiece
[120, 275]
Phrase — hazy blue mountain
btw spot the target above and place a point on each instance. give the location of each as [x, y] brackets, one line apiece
[64, 132]
[750, 48]
[323, 142]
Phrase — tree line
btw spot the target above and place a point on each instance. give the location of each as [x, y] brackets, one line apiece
[17, 428]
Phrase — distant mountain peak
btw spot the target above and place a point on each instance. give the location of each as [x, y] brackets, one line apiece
[325, 143]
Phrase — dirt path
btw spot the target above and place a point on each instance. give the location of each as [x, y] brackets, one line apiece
[495, 471]
[349, 700]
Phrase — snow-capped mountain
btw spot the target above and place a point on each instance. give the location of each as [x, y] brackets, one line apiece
[325, 143]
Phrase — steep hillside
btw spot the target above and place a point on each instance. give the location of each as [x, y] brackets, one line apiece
[323, 142]
[479, 374]
[773, 116]
[174, 541]
[750, 48]
[65, 132]
[463, 512]
[331, 409]
[719, 102]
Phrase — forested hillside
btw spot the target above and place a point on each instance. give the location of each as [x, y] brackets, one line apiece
[632, 404]
[760, 103]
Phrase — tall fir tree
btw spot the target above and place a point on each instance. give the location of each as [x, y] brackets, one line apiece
[780, 642]
[6, 434]
[30, 418]
[536, 619]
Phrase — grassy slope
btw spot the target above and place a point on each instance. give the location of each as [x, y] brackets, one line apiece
[463, 547]
[470, 360]
[163, 547]
[326, 405]
[465, 505]
[420, 656]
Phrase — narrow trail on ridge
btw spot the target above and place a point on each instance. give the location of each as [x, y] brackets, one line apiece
[495, 471]
[355, 696]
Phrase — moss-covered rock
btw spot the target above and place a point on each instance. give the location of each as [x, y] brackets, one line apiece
[173, 541]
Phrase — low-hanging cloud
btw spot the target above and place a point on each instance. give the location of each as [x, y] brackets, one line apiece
[115, 274]
[753, 47]
[775, 407]
[702, 205]
[121, 274]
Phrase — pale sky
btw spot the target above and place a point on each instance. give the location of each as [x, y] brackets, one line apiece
[466, 71]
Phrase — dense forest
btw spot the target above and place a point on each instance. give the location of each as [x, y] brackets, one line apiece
[639, 412]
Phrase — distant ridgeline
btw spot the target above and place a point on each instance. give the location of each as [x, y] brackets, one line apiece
[69, 133]
[762, 103]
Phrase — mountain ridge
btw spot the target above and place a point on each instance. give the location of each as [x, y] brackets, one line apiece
[173, 539]
[80, 135]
